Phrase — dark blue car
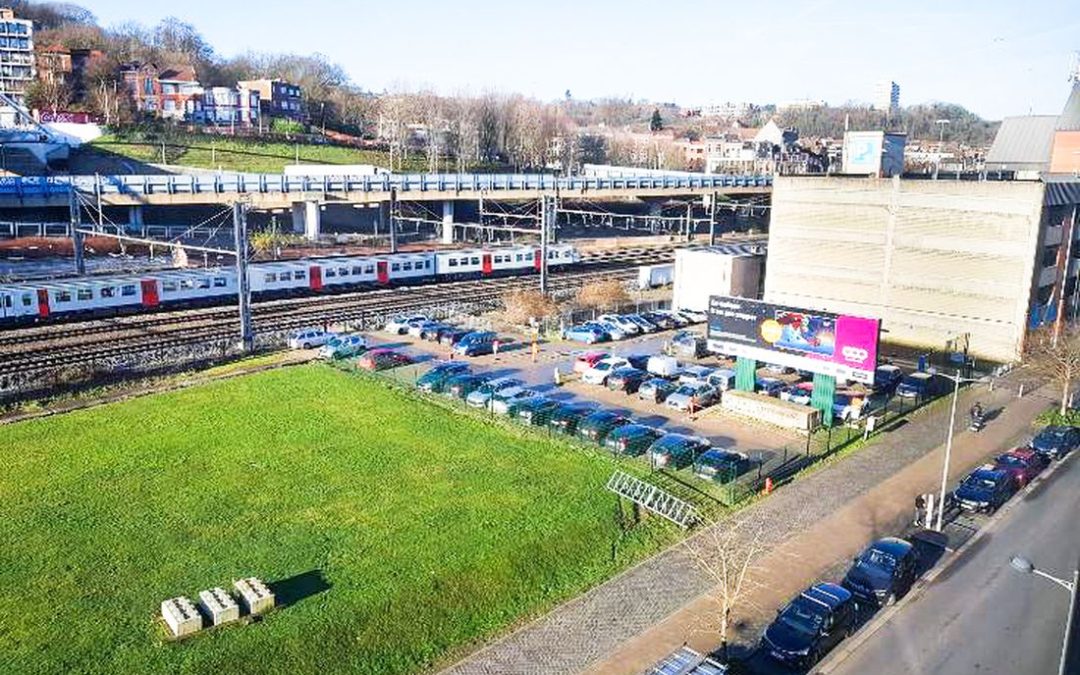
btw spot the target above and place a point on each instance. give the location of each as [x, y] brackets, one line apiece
[883, 572]
[984, 490]
[1055, 442]
[810, 625]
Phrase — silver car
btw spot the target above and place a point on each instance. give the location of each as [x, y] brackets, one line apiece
[480, 397]
[697, 394]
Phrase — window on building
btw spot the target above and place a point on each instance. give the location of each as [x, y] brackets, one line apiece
[148, 86]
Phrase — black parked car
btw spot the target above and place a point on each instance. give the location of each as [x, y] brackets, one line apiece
[627, 379]
[451, 336]
[675, 451]
[810, 625]
[534, 411]
[721, 465]
[566, 417]
[435, 379]
[656, 390]
[984, 490]
[884, 571]
[664, 321]
[1056, 441]
[599, 424]
[461, 386]
[631, 439]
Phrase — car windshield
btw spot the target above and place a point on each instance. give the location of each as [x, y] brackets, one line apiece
[1009, 460]
[687, 390]
[979, 481]
[803, 615]
[880, 559]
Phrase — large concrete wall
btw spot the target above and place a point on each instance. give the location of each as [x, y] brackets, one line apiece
[933, 259]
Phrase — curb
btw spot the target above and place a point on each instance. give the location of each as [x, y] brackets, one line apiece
[851, 645]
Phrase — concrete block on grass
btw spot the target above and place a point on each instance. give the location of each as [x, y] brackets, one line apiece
[181, 616]
[255, 597]
[218, 606]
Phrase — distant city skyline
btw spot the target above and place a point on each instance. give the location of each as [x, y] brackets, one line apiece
[998, 59]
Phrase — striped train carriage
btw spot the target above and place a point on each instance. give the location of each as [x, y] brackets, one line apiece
[41, 300]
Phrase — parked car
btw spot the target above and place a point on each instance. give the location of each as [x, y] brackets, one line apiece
[587, 334]
[1023, 464]
[439, 375]
[769, 386]
[452, 336]
[1056, 441]
[433, 332]
[567, 416]
[401, 324]
[612, 329]
[721, 379]
[596, 426]
[694, 396]
[481, 395]
[587, 360]
[383, 359]
[662, 321]
[309, 338]
[800, 393]
[810, 625]
[688, 344]
[626, 379]
[887, 379]
[639, 361]
[984, 490]
[624, 323]
[691, 374]
[678, 320]
[534, 411]
[600, 370]
[693, 315]
[418, 329]
[676, 450]
[476, 343]
[883, 572]
[847, 408]
[721, 465]
[656, 390]
[777, 369]
[646, 325]
[460, 386]
[664, 366]
[917, 386]
[631, 439]
[342, 347]
[502, 400]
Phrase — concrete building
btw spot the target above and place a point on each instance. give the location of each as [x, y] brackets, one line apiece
[734, 269]
[887, 96]
[16, 54]
[746, 150]
[228, 106]
[277, 98]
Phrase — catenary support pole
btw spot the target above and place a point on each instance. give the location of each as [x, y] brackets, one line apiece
[948, 454]
[547, 217]
[243, 284]
[393, 220]
[75, 213]
[712, 218]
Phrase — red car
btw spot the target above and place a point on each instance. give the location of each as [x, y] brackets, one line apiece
[381, 359]
[1022, 464]
[588, 360]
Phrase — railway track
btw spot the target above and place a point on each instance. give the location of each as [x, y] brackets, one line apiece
[47, 348]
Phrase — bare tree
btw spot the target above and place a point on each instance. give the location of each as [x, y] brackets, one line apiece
[525, 305]
[1058, 359]
[728, 553]
[602, 294]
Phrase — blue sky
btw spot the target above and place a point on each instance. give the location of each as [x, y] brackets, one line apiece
[995, 57]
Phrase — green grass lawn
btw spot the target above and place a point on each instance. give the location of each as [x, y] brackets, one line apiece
[241, 154]
[432, 530]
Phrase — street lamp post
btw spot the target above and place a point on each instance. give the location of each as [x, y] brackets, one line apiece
[956, 380]
[1024, 565]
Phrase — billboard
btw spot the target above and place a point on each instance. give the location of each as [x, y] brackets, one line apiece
[839, 345]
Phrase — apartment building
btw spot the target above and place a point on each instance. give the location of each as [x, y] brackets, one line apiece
[16, 54]
[277, 98]
[231, 106]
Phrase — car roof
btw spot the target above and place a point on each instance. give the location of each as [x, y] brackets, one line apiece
[984, 473]
[894, 546]
[829, 594]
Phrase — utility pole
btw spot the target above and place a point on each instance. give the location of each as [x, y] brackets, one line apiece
[547, 221]
[689, 221]
[712, 219]
[75, 214]
[243, 284]
[393, 219]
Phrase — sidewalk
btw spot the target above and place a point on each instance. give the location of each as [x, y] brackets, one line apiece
[633, 620]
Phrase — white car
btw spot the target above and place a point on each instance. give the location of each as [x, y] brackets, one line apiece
[624, 324]
[694, 315]
[401, 324]
[343, 347]
[598, 374]
[309, 338]
[501, 401]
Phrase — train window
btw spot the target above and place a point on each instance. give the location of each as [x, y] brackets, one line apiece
[220, 282]
[84, 294]
[343, 271]
[285, 276]
[395, 267]
[27, 300]
[270, 277]
[357, 269]
[6, 302]
[300, 274]
[168, 286]
[427, 264]
[108, 292]
[370, 269]
[204, 283]
[187, 283]
[63, 296]
[453, 262]
[127, 290]
[476, 261]
[407, 266]
[329, 272]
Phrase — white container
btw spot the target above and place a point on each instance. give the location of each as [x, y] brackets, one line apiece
[255, 597]
[218, 606]
[181, 616]
[664, 366]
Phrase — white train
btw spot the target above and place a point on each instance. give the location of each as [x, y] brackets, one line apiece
[82, 296]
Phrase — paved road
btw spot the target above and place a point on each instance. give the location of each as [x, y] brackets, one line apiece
[981, 616]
